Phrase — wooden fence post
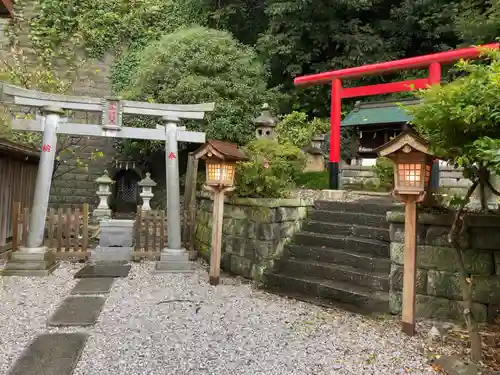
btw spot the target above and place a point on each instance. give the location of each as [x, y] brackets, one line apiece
[138, 224]
[16, 212]
[190, 205]
[85, 234]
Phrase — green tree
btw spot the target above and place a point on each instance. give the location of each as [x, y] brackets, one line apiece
[305, 37]
[462, 122]
[196, 65]
[479, 21]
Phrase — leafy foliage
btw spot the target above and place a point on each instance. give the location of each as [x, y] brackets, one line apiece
[461, 119]
[313, 180]
[295, 128]
[479, 21]
[384, 170]
[50, 69]
[270, 171]
[197, 65]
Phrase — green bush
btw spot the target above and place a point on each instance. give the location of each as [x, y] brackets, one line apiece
[313, 180]
[197, 65]
[384, 170]
[295, 128]
[270, 171]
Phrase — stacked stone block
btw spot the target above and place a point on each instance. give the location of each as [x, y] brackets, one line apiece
[254, 232]
[438, 288]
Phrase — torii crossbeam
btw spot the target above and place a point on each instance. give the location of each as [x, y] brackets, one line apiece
[50, 106]
[431, 62]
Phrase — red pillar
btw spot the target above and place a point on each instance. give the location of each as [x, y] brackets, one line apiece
[335, 119]
[435, 79]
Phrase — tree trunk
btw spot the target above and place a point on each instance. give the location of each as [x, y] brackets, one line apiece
[466, 281]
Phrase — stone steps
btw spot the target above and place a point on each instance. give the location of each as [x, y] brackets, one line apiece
[353, 218]
[341, 257]
[328, 292]
[353, 276]
[344, 229]
[365, 246]
[372, 206]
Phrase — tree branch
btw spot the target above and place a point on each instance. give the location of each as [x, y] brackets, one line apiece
[456, 230]
[493, 190]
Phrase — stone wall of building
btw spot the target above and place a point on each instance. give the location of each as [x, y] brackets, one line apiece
[254, 231]
[75, 186]
[438, 289]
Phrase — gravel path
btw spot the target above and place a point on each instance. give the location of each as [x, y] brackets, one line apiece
[231, 329]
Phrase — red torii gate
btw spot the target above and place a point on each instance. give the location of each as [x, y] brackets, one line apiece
[432, 62]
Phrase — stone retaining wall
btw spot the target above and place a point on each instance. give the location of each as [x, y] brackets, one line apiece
[254, 231]
[438, 289]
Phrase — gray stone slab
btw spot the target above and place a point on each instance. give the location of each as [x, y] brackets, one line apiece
[111, 254]
[101, 270]
[174, 262]
[93, 286]
[50, 354]
[77, 311]
[453, 365]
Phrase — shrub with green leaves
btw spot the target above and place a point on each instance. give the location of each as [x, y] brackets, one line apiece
[384, 170]
[295, 128]
[198, 65]
[270, 171]
[461, 119]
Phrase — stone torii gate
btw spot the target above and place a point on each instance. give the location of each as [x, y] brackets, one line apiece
[34, 258]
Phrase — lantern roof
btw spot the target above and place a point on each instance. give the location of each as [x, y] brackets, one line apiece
[225, 151]
[104, 179]
[147, 181]
[402, 141]
[266, 118]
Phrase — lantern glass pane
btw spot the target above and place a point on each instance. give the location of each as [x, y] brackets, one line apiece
[410, 175]
[220, 173]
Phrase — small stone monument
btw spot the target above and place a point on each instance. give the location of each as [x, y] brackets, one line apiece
[103, 211]
[265, 123]
[147, 185]
[116, 241]
[315, 157]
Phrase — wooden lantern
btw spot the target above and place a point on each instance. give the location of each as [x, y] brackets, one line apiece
[412, 171]
[412, 164]
[220, 159]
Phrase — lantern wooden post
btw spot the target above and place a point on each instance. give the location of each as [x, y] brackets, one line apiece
[410, 267]
[220, 159]
[412, 170]
[217, 220]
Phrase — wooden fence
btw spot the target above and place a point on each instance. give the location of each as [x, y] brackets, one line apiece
[18, 169]
[150, 234]
[66, 231]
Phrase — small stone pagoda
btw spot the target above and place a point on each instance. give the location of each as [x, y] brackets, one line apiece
[265, 124]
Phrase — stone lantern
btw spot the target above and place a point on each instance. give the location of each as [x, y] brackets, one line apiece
[147, 185]
[104, 191]
[265, 123]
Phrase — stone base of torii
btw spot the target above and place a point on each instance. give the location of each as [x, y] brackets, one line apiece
[34, 259]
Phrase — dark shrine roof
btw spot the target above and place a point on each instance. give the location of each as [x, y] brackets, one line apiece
[375, 113]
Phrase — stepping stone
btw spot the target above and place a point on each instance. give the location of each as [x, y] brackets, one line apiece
[77, 311]
[93, 286]
[95, 271]
[50, 354]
